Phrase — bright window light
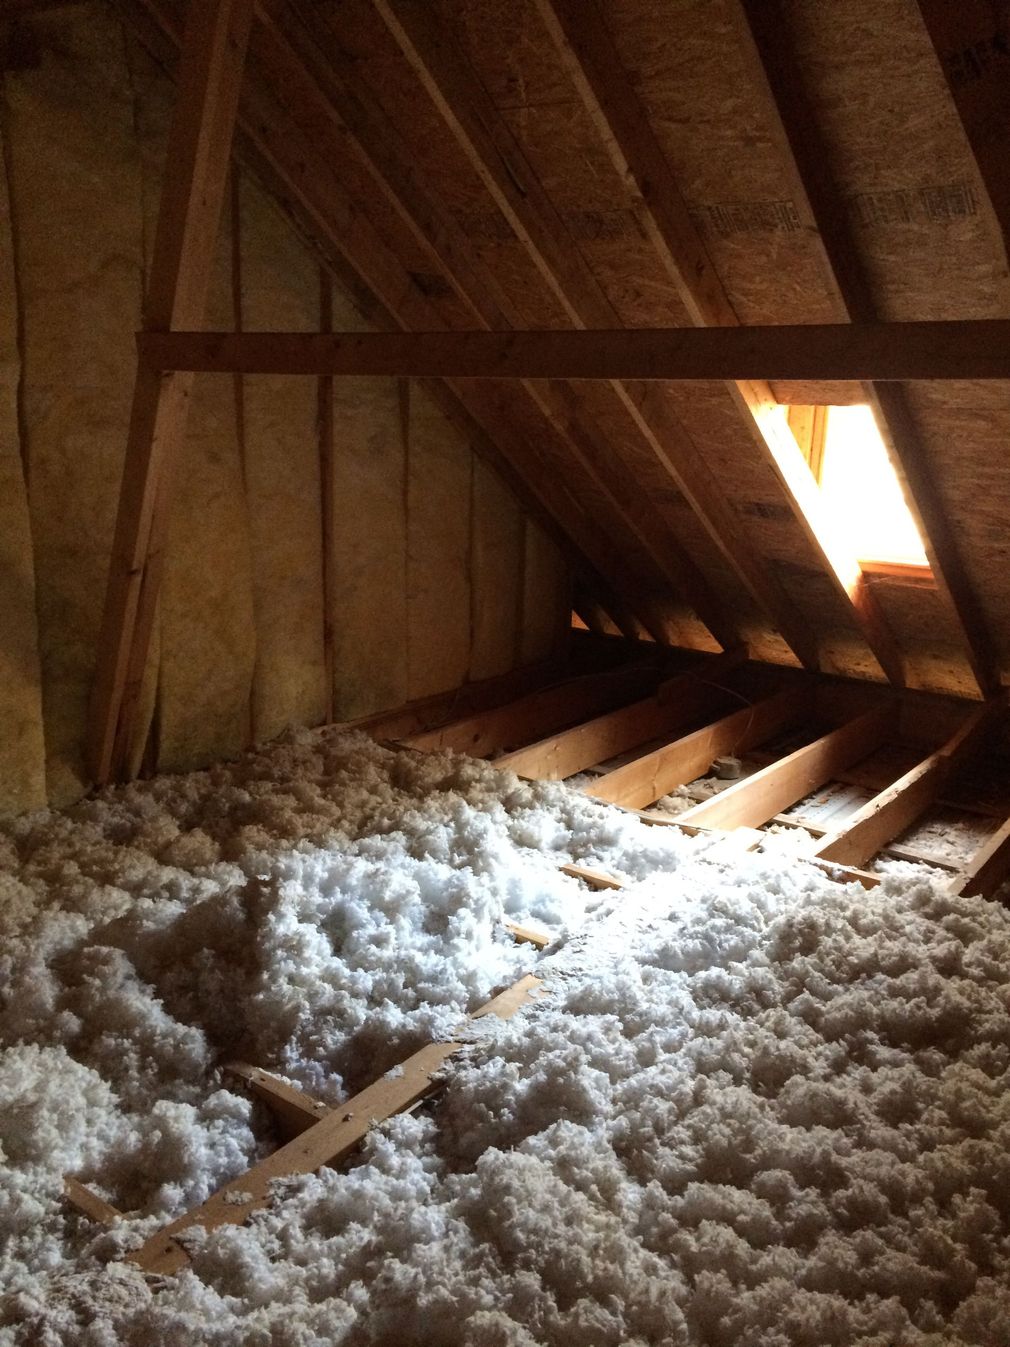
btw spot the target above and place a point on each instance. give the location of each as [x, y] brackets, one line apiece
[862, 492]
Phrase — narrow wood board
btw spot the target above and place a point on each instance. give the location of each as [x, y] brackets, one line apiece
[331, 1139]
[651, 776]
[676, 703]
[769, 791]
[890, 812]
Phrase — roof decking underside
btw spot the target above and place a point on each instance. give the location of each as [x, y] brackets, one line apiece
[397, 168]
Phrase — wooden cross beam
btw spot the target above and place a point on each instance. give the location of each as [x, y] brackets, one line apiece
[327, 1141]
[972, 349]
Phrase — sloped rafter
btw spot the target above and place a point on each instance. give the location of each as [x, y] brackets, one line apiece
[764, 34]
[493, 152]
[594, 66]
[972, 44]
[528, 451]
[199, 149]
[304, 54]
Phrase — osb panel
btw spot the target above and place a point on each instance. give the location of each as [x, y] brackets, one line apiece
[76, 207]
[369, 548]
[517, 63]
[497, 548]
[439, 487]
[923, 626]
[965, 429]
[841, 647]
[280, 291]
[902, 165]
[685, 61]
[547, 598]
[22, 746]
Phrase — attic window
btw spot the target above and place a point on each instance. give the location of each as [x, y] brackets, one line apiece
[849, 461]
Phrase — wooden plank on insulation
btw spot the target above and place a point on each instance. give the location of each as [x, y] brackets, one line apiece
[329, 1141]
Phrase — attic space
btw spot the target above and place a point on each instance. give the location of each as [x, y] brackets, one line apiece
[504, 632]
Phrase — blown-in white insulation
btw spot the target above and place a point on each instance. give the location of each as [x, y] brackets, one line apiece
[757, 1108]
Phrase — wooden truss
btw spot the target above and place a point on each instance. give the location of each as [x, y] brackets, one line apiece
[883, 352]
[548, 440]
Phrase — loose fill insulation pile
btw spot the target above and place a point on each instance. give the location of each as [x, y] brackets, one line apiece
[755, 1108]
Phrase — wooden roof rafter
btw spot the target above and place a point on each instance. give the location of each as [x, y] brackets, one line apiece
[199, 150]
[593, 63]
[428, 45]
[533, 456]
[972, 44]
[315, 65]
[764, 32]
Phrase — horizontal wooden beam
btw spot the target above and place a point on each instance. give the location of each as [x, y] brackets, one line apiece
[331, 1139]
[976, 349]
[759, 797]
[676, 703]
[651, 776]
[893, 810]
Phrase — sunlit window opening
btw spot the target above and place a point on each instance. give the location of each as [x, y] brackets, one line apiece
[849, 460]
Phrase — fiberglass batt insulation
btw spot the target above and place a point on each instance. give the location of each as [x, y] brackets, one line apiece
[755, 1108]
